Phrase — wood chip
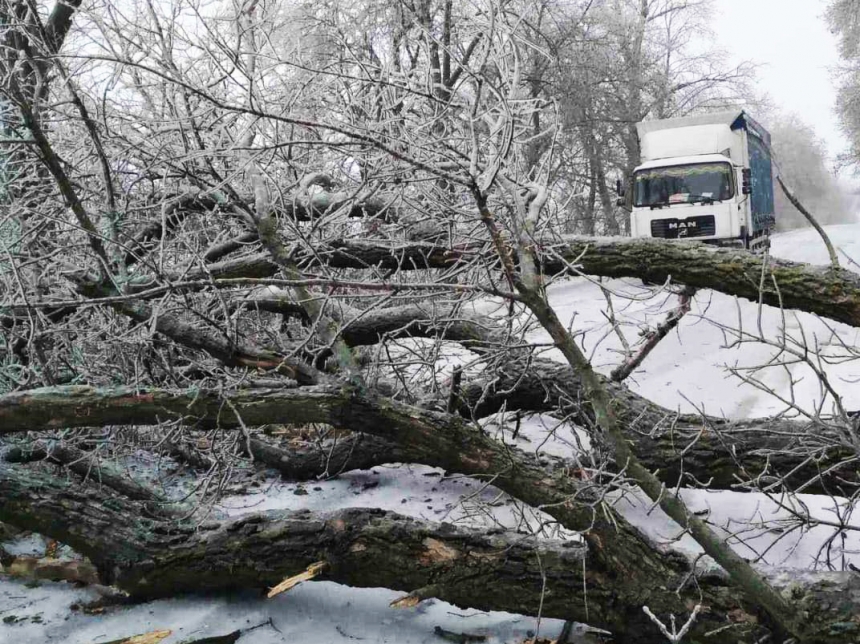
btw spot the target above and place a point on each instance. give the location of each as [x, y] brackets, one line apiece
[407, 601]
[290, 582]
[153, 637]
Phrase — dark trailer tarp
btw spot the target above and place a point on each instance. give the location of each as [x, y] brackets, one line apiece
[761, 172]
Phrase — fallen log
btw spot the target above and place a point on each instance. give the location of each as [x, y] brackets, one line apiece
[682, 448]
[805, 455]
[352, 452]
[150, 558]
[777, 282]
[834, 294]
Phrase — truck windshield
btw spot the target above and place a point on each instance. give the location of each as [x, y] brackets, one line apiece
[683, 184]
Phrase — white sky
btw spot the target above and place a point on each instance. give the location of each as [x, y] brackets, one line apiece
[795, 51]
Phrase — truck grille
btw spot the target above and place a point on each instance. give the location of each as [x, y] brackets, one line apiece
[702, 226]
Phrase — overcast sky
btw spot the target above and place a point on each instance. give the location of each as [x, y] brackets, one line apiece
[790, 41]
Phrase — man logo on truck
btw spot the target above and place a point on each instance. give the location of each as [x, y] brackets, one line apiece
[683, 225]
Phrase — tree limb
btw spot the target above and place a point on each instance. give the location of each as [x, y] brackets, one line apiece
[790, 285]
[151, 558]
[814, 289]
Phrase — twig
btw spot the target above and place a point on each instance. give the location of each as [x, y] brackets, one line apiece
[653, 337]
[834, 260]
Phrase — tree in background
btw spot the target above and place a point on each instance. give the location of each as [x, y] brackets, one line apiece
[802, 161]
[843, 17]
[607, 64]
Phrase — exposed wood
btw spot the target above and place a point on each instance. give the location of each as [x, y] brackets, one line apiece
[152, 637]
[50, 569]
[313, 571]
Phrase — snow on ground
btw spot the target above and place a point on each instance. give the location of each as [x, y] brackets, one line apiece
[689, 370]
[313, 613]
[413, 490]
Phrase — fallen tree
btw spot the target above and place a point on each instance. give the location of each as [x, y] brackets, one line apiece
[137, 293]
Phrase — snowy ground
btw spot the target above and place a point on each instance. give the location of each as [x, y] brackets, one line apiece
[693, 365]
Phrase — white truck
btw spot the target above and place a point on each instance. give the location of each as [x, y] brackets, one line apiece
[707, 177]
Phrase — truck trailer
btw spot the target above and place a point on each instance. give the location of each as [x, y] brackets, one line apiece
[707, 177]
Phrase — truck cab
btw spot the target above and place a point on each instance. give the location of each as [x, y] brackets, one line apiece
[706, 177]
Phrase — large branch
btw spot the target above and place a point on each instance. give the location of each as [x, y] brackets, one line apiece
[811, 457]
[713, 450]
[432, 438]
[86, 465]
[179, 207]
[792, 285]
[151, 558]
[436, 439]
[444, 322]
[236, 351]
[777, 282]
[335, 254]
[725, 454]
[350, 452]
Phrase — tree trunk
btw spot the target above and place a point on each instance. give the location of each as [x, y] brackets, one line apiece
[721, 452]
[682, 447]
[814, 289]
[610, 222]
[150, 557]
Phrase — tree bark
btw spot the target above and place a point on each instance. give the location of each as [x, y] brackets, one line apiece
[151, 558]
[351, 452]
[85, 465]
[816, 457]
[434, 439]
[814, 289]
[617, 551]
[791, 285]
[721, 453]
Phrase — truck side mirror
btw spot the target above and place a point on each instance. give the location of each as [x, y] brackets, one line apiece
[619, 187]
[746, 181]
